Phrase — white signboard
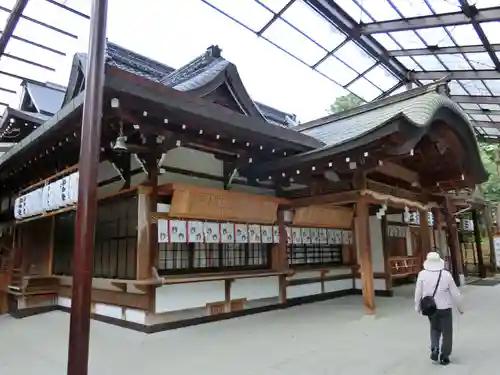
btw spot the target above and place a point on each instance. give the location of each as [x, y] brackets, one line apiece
[496, 244]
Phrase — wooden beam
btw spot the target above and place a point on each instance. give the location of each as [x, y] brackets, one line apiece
[477, 240]
[143, 234]
[387, 255]
[14, 16]
[488, 218]
[397, 192]
[133, 300]
[394, 170]
[333, 198]
[451, 228]
[282, 258]
[365, 254]
[425, 234]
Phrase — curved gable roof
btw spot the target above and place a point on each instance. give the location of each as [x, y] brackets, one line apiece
[208, 72]
[202, 75]
[418, 108]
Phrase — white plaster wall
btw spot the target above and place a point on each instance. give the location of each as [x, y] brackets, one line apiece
[338, 285]
[303, 290]
[375, 229]
[182, 158]
[117, 312]
[194, 160]
[339, 271]
[409, 243]
[378, 284]
[442, 243]
[255, 288]
[305, 275]
[136, 316]
[188, 296]
[376, 244]
[310, 289]
[395, 218]
[108, 310]
[64, 302]
[377, 252]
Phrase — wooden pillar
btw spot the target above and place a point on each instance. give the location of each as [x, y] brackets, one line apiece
[281, 259]
[152, 166]
[280, 256]
[143, 266]
[86, 210]
[488, 218]
[365, 254]
[385, 248]
[451, 228]
[477, 240]
[425, 234]
[50, 260]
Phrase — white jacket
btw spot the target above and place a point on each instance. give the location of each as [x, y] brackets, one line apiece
[447, 294]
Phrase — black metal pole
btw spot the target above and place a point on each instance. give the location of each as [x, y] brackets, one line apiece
[78, 353]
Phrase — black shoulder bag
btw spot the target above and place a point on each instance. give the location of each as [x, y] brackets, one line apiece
[428, 303]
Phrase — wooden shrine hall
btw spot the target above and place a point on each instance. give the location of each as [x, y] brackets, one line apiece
[212, 205]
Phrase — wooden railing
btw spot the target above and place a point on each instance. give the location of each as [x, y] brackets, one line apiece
[404, 266]
[33, 285]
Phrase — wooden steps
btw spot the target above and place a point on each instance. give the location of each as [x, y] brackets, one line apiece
[32, 285]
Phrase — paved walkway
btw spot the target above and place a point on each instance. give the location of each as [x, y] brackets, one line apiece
[323, 338]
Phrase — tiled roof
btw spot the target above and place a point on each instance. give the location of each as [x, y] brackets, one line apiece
[193, 75]
[46, 98]
[418, 110]
[353, 128]
[135, 63]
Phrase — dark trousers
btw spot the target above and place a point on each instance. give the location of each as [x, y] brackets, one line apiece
[442, 326]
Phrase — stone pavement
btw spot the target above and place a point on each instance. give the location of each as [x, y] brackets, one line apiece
[329, 337]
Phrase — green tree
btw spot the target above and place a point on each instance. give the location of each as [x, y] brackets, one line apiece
[489, 155]
[345, 102]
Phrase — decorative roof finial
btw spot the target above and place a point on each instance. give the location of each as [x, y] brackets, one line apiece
[214, 51]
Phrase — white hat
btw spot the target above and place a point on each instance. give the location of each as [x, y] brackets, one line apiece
[433, 262]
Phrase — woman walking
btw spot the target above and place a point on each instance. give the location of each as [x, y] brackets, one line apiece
[435, 296]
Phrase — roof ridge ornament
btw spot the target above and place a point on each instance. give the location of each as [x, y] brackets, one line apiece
[214, 51]
[441, 86]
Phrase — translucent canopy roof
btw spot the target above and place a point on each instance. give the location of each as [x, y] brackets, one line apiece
[375, 48]
[371, 48]
[41, 48]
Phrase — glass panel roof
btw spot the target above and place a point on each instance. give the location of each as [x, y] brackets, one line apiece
[313, 25]
[293, 41]
[248, 12]
[369, 48]
[49, 59]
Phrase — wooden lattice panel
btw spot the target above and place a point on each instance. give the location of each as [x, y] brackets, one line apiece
[216, 308]
[238, 304]
[404, 266]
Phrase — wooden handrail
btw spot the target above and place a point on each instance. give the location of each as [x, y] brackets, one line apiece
[402, 266]
[50, 178]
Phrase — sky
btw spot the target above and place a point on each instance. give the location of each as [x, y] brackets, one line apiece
[174, 32]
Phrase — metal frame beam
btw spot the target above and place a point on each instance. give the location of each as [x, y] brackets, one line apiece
[442, 50]
[482, 112]
[472, 13]
[36, 44]
[486, 124]
[43, 24]
[415, 23]
[457, 74]
[11, 24]
[476, 99]
[338, 17]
